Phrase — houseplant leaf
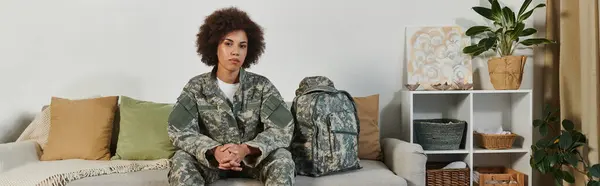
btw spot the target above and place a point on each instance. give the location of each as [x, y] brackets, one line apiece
[568, 125]
[496, 10]
[539, 155]
[524, 7]
[528, 32]
[566, 140]
[535, 41]
[471, 49]
[571, 159]
[475, 49]
[567, 176]
[477, 30]
[487, 43]
[542, 143]
[514, 34]
[485, 12]
[578, 144]
[558, 181]
[480, 51]
[558, 176]
[595, 171]
[545, 166]
[579, 137]
[593, 183]
[527, 14]
[509, 16]
[544, 130]
[537, 122]
[553, 159]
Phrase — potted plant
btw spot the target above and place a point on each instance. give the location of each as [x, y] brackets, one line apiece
[561, 148]
[506, 70]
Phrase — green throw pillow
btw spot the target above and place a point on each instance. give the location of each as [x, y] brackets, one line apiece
[143, 130]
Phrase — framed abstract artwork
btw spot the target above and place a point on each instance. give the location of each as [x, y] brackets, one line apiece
[434, 56]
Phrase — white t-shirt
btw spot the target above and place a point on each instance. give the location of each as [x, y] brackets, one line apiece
[228, 89]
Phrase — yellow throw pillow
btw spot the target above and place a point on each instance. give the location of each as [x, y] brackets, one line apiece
[368, 113]
[80, 129]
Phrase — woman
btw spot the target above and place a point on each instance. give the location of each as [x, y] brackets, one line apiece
[230, 122]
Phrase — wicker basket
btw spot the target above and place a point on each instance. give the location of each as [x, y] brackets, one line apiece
[498, 176]
[495, 141]
[436, 176]
[439, 134]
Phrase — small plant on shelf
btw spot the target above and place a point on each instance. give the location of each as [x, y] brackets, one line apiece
[503, 40]
[560, 148]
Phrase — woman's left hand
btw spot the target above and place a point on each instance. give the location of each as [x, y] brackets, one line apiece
[239, 152]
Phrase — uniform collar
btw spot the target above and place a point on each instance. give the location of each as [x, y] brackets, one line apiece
[212, 91]
[242, 75]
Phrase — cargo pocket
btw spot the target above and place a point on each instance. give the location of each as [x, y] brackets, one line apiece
[343, 136]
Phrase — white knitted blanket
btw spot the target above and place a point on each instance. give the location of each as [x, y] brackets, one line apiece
[59, 173]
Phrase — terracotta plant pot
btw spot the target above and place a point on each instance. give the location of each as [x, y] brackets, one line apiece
[506, 73]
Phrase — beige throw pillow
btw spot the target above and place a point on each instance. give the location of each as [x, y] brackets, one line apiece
[368, 113]
[38, 129]
[80, 129]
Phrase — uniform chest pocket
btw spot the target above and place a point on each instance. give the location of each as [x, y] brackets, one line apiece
[209, 114]
[250, 113]
[253, 106]
[206, 107]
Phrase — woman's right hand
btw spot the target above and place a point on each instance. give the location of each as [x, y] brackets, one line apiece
[225, 158]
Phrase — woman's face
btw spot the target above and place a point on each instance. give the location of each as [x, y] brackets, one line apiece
[232, 50]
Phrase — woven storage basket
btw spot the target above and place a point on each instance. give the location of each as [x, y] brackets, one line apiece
[439, 134]
[495, 141]
[436, 176]
[498, 176]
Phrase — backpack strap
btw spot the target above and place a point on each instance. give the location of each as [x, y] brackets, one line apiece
[293, 107]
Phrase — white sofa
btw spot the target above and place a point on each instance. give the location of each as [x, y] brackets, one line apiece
[403, 164]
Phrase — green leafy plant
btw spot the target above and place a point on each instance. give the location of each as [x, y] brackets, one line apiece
[507, 32]
[561, 148]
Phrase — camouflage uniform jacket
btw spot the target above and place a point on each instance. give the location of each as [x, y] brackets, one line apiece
[203, 118]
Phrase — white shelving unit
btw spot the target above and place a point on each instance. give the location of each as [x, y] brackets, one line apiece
[511, 109]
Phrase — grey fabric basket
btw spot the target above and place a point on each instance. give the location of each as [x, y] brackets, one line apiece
[439, 134]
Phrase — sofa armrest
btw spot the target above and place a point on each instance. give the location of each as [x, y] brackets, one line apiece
[15, 154]
[405, 160]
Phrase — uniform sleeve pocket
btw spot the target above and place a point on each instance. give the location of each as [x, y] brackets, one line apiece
[180, 117]
[187, 102]
[274, 110]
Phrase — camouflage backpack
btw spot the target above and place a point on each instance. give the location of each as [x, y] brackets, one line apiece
[326, 129]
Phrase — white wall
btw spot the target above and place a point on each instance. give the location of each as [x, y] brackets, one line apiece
[145, 49]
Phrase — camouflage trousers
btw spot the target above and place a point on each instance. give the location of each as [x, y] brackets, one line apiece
[276, 169]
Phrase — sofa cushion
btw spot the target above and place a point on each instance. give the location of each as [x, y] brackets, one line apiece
[80, 129]
[369, 146]
[372, 173]
[143, 130]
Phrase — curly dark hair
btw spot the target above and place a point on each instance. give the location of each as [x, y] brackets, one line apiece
[221, 22]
